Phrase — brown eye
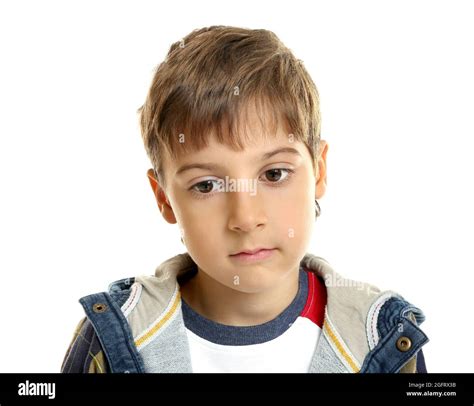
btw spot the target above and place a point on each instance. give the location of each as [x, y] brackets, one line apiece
[278, 176]
[273, 175]
[204, 187]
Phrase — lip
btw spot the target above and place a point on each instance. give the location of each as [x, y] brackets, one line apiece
[258, 254]
[251, 251]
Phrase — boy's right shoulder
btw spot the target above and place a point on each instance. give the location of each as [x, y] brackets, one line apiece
[85, 353]
[128, 307]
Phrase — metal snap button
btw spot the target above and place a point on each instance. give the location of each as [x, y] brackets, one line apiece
[404, 344]
[99, 307]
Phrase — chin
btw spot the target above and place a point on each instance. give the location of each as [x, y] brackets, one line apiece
[248, 280]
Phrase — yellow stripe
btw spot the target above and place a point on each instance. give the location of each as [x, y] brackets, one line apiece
[98, 361]
[158, 325]
[341, 348]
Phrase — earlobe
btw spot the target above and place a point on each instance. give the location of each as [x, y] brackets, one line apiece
[320, 189]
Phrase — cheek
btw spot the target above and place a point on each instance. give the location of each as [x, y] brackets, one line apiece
[295, 205]
[203, 246]
[200, 229]
[295, 223]
[295, 211]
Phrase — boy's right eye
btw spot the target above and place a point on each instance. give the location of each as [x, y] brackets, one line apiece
[204, 187]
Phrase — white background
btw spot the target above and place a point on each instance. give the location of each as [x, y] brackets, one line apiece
[77, 212]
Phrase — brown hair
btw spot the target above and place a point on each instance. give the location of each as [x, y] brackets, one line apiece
[211, 77]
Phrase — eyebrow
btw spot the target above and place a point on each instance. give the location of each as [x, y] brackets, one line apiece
[210, 166]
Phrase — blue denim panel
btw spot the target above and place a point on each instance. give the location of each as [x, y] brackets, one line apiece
[120, 297]
[121, 284]
[386, 357]
[114, 334]
[120, 290]
[391, 312]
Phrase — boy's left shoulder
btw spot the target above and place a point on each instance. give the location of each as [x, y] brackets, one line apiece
[368, 329]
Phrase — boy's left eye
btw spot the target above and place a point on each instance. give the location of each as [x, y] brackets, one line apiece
[275, 174]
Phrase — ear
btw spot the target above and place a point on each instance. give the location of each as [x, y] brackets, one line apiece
[321, 181]
[161, 198]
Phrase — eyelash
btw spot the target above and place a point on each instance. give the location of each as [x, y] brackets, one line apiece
[201, 195]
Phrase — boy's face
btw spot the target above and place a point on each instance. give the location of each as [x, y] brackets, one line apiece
[267, 207]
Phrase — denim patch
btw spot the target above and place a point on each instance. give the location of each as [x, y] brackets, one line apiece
[392, 324]
[114, 333]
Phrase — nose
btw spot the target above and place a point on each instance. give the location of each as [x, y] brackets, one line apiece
[246, 212]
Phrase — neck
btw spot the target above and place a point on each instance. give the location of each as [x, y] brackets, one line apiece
[225, 305]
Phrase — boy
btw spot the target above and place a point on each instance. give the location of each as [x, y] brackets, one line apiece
[231, 124]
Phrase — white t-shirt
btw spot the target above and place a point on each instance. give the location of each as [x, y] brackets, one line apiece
[284, 344]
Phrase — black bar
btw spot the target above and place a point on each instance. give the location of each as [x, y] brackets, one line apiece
[374, 388]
